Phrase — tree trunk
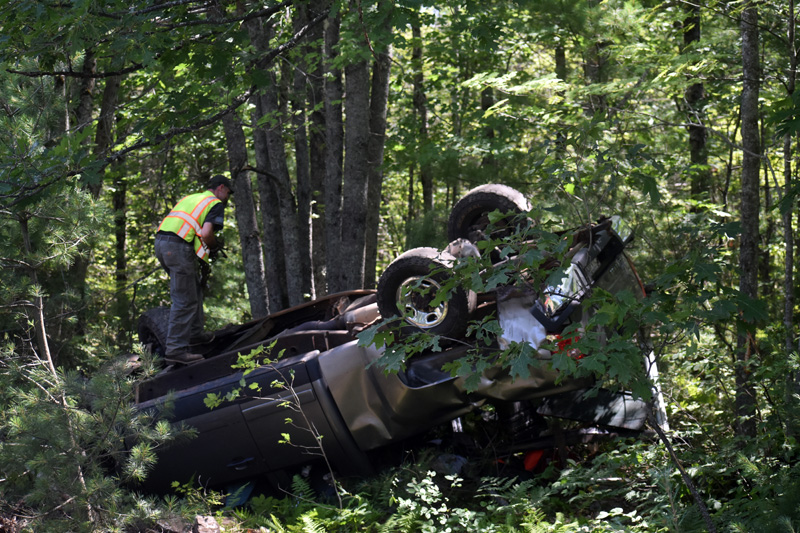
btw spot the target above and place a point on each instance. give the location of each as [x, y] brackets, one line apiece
[410, 211]
[270, 220]
[297, 110]
[246, 217]
[695, 95]
[272, 236]
[793, 381]
[103, 139]
[74, 278]
[594, 71]
[421, 110]
[354, 188]
[378, 104]
[334, 135]
[282, 186]
[85, 107]
[37, 319]
[276, 191]
[748, 255]
[561, 62]
[278, 198]
[487, 101]
[458, 104]
[119, 203]
[317, 154]
[767, 235]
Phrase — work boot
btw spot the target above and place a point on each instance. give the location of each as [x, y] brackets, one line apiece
[183, 358]
[203, 338]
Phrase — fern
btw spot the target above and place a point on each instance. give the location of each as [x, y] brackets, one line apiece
[301, 488]
[275, 524]
[311, 523]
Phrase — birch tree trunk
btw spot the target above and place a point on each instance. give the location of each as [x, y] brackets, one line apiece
[748, 254]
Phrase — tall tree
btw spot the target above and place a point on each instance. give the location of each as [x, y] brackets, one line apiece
[246, 218]
[348, 191]
[315, 87]
[334, 138]
[350, 273]
[299, 118]
[421, 114]
[694, 97]
[748, 252]
[281, 183]
[790, 339]
[378, 106]
[283, 241]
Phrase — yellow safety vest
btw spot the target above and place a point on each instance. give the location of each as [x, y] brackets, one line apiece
[187, 217]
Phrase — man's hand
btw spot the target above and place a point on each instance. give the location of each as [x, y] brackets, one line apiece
[217, 250]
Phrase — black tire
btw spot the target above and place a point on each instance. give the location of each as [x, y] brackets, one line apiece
[152, 328]
[396, 296]
[469, 218]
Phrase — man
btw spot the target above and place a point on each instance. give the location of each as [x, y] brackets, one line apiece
[186, 236]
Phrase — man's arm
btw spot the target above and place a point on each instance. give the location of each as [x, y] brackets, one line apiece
[212, 223]
[207, 234]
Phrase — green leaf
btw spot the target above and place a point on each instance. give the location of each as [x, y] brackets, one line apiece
[751, 310]
[520, 365]
[723, 309]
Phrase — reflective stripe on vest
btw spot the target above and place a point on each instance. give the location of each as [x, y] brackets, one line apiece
[187, 217]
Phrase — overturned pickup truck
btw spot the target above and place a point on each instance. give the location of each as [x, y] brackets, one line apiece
[351, 407]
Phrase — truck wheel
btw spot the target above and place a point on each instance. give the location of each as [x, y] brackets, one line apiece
[470, 216]
[152, 328]
[407, 287]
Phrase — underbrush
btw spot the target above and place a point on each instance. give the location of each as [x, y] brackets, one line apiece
[61, 435]
[626, 486]
[617, 491]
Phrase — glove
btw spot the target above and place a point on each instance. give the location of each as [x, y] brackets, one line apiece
[217, 250]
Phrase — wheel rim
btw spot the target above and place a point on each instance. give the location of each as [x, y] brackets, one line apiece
[413, 301]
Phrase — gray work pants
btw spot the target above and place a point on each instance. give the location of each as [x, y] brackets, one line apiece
[186, 314]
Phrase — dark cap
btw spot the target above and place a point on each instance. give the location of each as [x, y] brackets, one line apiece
[218, 180]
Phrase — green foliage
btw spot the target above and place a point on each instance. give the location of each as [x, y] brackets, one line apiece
[195, 500]
[500, 109]
[66, 452]
[41, 244]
